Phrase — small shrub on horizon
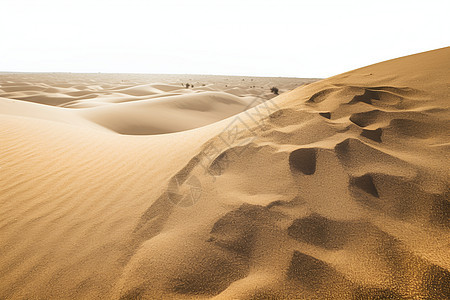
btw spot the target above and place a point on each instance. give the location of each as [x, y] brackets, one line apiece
[275, 90]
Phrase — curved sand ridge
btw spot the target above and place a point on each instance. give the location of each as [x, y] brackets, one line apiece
[129, 106]
[336, 190]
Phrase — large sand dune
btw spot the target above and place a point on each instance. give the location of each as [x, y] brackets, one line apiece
[338, 189]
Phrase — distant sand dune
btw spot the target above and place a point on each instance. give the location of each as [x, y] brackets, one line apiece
[338, 190]
[168, 114]
[150, 108]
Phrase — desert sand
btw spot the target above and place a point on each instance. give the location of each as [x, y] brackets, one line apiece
[122, 186]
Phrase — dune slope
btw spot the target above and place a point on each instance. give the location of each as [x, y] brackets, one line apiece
[335, 190]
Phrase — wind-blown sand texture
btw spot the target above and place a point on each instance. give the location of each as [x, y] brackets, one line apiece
[338, 189]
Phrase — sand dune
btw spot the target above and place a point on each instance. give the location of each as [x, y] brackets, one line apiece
[16, 108]
[170, 113]
[139, 108]
[338, 189]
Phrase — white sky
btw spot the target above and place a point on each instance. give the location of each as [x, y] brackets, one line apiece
[246, 37]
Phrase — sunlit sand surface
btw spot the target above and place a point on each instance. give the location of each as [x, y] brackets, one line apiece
[122, 186]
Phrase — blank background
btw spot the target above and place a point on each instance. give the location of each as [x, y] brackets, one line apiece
[265, 38]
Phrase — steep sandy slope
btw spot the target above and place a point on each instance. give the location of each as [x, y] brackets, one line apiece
[341, 192]
[336, 190]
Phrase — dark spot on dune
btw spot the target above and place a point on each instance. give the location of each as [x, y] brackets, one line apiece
[342, 148]
[134, 294]
[326, 115]
[219, 164]
[315, 274]
[365, 118]
[275, 203]
[374, 135]
[365, 293]
[320, 231]
[366, 184]
[367, 97]
[209, 276]
[303, 160]
[441, 210]
[236, 230]
[436, 281]
[307, 269]
[416, 129]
